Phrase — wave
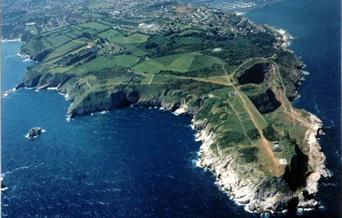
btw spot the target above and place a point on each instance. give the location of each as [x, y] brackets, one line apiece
[7, 92]
[11, 40]
[100, 112]
[306, 73]
[20, 168]
[240, 13]
[52, 88]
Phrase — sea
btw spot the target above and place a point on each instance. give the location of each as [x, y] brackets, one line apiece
[140, 162]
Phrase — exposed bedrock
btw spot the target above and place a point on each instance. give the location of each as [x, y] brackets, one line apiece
[102, 100]
[43, 80]
[30, 80]
[34, 132]
[52, 80]
[236, 173]
[249, 186]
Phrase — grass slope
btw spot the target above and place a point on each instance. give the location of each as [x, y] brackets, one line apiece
[101, 63]
[178, 63]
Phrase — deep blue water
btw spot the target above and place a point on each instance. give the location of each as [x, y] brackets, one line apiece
[126, 163]
[137, 162]
[315, 26]
[13, 67]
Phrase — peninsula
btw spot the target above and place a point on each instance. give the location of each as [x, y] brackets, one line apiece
[234, 77]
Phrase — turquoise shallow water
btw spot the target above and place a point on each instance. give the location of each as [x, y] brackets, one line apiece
[138, 162]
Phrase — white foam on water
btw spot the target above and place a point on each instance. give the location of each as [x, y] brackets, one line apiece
[11, 40]
[68, 119]
[52, 88]
[4, 189]
[306, 73]
[240, 13]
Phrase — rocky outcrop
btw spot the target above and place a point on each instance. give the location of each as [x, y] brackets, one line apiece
[245, 184]
[229, 127]
[52, 80]
[249, 187]
[102, 100]
[34, 132]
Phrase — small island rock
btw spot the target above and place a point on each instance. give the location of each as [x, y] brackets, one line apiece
[34, 132]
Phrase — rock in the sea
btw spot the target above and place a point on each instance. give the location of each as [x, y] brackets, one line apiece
[34, 132]
[3, 187]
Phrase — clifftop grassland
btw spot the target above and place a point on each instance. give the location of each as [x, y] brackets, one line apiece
[235, 78]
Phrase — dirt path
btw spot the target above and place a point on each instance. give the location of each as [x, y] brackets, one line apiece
[266, 146]
[227, 80]
[281, 96]
[151, 79]
[240, 121]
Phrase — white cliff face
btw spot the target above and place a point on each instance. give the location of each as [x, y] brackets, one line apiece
[233, 178]
[181, 110]
[222, 165]
[316, 157]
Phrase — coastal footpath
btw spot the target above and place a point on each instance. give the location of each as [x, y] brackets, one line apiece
[235, 78]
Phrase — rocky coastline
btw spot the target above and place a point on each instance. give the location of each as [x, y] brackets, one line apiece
[246, 185]
[249, 192]
[255, 193]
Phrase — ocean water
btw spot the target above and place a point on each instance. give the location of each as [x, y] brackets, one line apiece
[127, 163]
[315, 26]
[138, 162]
[13, 68]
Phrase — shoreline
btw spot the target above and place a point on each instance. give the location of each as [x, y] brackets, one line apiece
[229, 180]
[242, 196]
[7, 92]
[283, 37]
[25, 57]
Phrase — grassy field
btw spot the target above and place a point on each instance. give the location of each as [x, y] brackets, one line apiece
[72, 33]
[57, 40]
[66, 48]
[134, 50]
[95, 26]
[53, 41]
[34, 47]
[93, 15]
[262, 123]
[96, 5]
[169, 69]
[125, 60]
[179, 63]
[111, 34]
[116, 36]
[101, 62]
